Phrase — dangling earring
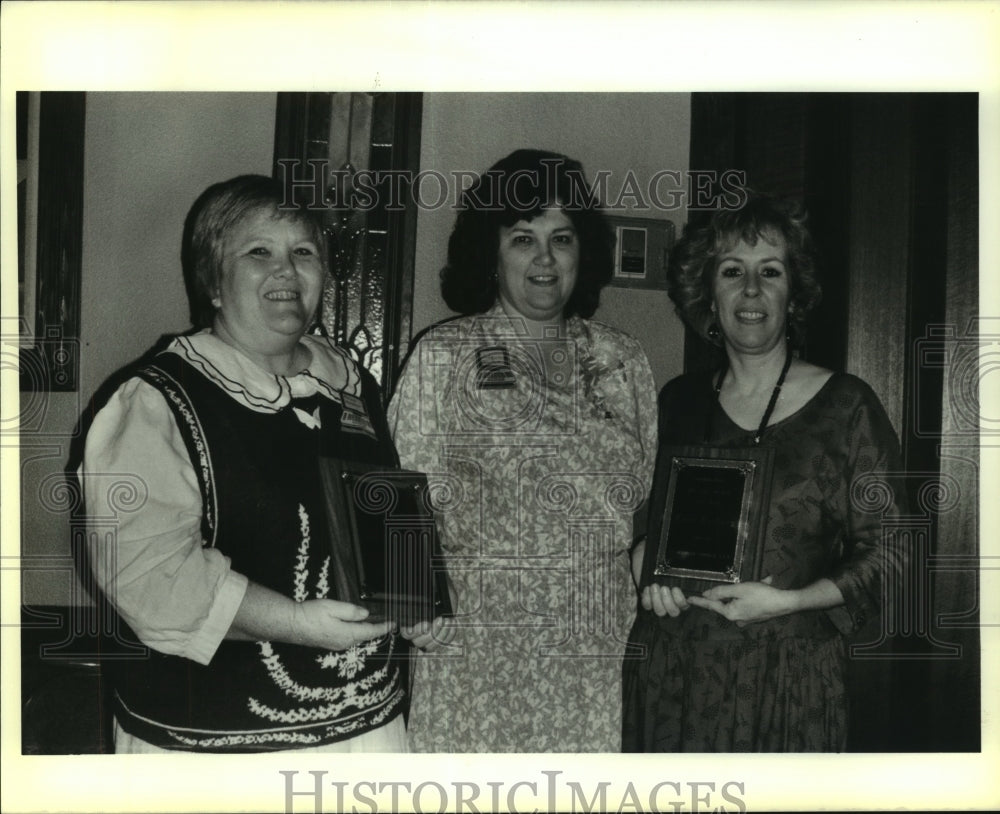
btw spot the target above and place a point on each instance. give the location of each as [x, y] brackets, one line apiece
[713, 329]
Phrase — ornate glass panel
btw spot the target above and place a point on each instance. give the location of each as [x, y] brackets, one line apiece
[360, 149]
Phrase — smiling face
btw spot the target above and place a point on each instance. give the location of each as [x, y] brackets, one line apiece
[271, 281]
[537, 264]
[750, 292]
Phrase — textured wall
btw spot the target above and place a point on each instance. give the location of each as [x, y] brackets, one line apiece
[147, 156]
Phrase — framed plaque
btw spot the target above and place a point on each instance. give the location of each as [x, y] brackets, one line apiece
[706, 516]
[386, 555]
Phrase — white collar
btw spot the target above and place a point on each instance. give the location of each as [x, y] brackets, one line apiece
[330, 372]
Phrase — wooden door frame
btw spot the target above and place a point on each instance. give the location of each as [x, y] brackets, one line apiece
[893, 180]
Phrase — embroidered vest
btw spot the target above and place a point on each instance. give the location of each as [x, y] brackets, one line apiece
[263, 508]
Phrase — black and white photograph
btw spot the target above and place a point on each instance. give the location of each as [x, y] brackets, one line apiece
[459, 387]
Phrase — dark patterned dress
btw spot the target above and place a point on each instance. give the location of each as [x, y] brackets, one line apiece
[707, 685]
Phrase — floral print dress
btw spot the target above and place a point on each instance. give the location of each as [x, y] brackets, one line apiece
[538, 453]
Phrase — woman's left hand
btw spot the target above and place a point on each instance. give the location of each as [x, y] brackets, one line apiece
[747, 602]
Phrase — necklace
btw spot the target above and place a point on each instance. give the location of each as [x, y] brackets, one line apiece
[774, 393]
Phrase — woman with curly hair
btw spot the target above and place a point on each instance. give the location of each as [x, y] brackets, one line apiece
[536, 427]
[759, 666]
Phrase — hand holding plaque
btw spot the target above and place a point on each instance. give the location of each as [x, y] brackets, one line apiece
[385, 553]
[706, 516]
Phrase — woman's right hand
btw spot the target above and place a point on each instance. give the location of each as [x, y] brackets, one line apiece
[333, 625]
[327, 624]
[431, 636]
[664, 600]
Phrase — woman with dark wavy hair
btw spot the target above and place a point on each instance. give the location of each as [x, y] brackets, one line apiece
[536, 425]
[759, 666]
[520, 187]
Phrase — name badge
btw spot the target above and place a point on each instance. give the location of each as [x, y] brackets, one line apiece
[493, 370]
[354, 418]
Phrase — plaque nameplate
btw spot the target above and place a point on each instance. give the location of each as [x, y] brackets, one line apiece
[706, 515]
[386, 555]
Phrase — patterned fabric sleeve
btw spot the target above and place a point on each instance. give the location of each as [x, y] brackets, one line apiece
[644, 393]
[414, 411]
[875, 493]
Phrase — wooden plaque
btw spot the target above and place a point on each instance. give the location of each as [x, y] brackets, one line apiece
[386, 554]
[707, 513]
